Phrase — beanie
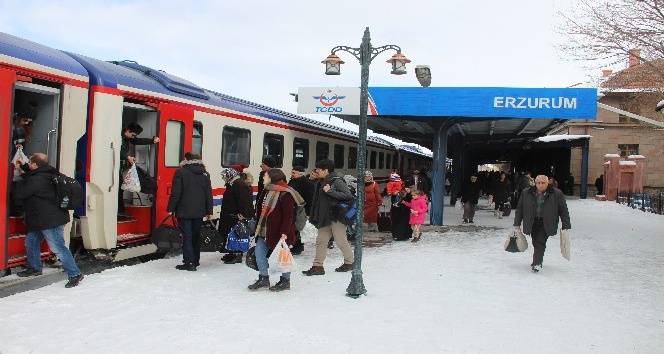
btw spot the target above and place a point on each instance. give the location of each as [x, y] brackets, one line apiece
[269, 161]
[239, 167]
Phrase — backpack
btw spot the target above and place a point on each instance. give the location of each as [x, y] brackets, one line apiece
[345, 211]
[68, 192]
[300, 217]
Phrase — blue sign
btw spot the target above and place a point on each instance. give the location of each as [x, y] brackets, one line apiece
[484, 102]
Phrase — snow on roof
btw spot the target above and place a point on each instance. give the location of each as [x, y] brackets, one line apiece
[636, 157]
[611, 155]
[627, 163]
[550, 138]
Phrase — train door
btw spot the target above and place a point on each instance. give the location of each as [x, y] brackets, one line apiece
[175, 132]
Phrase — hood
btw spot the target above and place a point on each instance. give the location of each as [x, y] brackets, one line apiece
[195, 166]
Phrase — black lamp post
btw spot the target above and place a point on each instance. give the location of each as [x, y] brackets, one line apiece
[365, 54]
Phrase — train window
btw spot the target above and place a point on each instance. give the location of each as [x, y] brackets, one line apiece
[174, 148]
[301, 152]
[373, 160]
[395, 166]
[273, 145]
[235, 146]
[197, 138]
[338, 156]
[381, 160]
[388, 161]
[352, 157]
[322, 151]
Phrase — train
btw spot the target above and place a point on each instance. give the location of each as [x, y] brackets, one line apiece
[82, 105]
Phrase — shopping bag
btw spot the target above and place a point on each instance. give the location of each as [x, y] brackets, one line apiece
[309, 233]
[516, 241]
[458, 205]
[564, 244]
[250, 258]
[167, 237]
[19, 155]
[384, 222]
[130, 181]
[281, 259]
[209, 237]
[237, 242]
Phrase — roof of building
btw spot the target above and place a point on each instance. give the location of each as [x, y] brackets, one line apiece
[647, 76]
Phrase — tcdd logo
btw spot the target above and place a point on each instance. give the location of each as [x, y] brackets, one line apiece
[328, 100]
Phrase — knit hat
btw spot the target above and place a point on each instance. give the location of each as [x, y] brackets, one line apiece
[298, 169]
[239, 167]
[394, 177]
[368, 174]
[229, 173]
[269, 161]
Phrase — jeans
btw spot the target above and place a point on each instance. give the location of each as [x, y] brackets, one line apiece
[261, 258]
[56, 242]
[191, 244]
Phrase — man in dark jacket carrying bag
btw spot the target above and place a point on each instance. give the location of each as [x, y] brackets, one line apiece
[329, 191]
[43, 218]
[191, 200]
[301, 184]
[539, 208]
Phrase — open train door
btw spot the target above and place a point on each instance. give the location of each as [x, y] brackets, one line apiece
[175, 131]
[7, 79]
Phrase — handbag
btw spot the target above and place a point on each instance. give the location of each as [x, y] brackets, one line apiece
[281, 259]
[250, 258]
[564, 244]
[167, 237]
[209, 237]
[237, 242]
[516, 241]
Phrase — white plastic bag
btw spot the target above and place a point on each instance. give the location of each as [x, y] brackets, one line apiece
[17, 170]
[281, 259]
[458, 204]
[309, 233]
[564, 244]
[130, 182]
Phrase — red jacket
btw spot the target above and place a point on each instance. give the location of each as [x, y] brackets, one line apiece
[281, 220]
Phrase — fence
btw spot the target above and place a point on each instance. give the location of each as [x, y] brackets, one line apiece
[651, 201]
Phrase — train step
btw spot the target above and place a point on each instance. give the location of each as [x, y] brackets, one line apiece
[132, 238]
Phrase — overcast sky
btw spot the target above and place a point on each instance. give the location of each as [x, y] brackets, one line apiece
[262, 50]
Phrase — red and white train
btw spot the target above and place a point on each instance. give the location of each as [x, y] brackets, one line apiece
[82, 106]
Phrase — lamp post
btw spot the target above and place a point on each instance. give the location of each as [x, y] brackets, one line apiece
[365, 54]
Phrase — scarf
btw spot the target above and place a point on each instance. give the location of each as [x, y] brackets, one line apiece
[274, 191]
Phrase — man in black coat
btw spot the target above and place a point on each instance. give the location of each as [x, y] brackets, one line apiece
[190, 201]
[470, 194]
[539, 208]
[267, 163]
[420, 181]
[303, 185]
[43, 218]
[129, 138]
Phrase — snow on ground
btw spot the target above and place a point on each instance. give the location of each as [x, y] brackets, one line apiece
[453, 292]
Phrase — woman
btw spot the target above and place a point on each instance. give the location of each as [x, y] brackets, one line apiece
[501, 192]
[400, 215]
[237, 201]
[372, 200]
[275, 212]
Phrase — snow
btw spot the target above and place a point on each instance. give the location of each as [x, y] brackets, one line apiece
[453, 292]
[611, 155]
[627, 163]
[551, 138]
[636, 157]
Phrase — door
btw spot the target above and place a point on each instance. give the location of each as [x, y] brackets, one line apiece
[175, 131]
[7, 79]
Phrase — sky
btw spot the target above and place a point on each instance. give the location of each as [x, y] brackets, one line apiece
[263, 50]
[452, 292]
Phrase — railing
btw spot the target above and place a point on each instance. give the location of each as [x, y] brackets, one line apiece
[651, 200]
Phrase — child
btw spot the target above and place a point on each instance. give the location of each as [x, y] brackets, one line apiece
[418, 209]
[394, 186]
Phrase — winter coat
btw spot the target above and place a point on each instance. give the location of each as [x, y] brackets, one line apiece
[470, 192]
[554, 207]
[305, 187]
[260, 183]
[37, 195]
[322, 203]
[128, 142]
[280, 221]
[191, 191]
[400, 215]
[423, 183]
[237, 199]
[420, 205]
[501, 190]
[372, 200]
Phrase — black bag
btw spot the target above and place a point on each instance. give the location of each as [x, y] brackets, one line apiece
[68, 192]
[148, 184]
[167, 237]
[384, 222]
[507, 209]
[512, 246]
[209, 237]
[250, 258]
[345, 211]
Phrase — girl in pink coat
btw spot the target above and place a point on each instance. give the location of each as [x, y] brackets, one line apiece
[418, 208]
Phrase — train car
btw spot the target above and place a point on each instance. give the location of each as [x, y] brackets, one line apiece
[90, 101]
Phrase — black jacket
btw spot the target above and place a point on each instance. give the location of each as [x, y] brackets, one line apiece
[191, 192]
[238, 199]
[471, 191]
[37, 195]
[554, 207]
[321, 204]
[305, 187]
[128, 142]
[501, 190]
[423, 183]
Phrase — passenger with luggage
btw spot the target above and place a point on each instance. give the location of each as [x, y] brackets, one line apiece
[501, 191]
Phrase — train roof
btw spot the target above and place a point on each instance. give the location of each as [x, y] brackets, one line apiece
[414, 150]
[39, 54]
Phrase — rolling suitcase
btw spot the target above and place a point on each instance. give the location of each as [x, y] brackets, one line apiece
[384, 222]
[507, 209]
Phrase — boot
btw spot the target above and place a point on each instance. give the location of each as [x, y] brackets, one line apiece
[346, 267]
[228, 257]
[237, 258]
[186, 266]
[282, 284]
[314, 270]
[73, 281]
[29, 272]
[262, 282]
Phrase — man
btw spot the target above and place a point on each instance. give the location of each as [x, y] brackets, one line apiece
[599, 184]
[190, 201]
[539, 208]
[130, 137]
[470, 194]
[267, 163]
[419, 181]
[43, 218]
[303, 185]
[328, 192]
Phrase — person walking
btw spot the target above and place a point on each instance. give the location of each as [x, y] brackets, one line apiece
[43, 218]
[539, 209]
[237, 203]
[372, 200]
[190, 201]
[599, 184]
[501, 191]
[418, 209]
[305, 187]
[329, 191]
[275, 212]
[470, 194]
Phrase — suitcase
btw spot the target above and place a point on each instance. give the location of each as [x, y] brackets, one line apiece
[384, 222]
[507, 209]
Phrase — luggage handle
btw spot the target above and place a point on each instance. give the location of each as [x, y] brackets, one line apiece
[175, 222]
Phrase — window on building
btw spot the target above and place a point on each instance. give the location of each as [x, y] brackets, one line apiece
[628, 149]
[197, 138]
[235, 146]
[352, 157]
[301, 152]
[338, 156]
[373, 160]
[273, 145]
[322, 151]
[174, 147]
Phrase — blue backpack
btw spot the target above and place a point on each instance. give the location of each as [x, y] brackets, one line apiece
[345, 211]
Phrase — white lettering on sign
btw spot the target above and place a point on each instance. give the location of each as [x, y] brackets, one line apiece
[534, 102]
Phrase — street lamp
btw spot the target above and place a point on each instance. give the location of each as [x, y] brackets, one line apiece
[365, 54]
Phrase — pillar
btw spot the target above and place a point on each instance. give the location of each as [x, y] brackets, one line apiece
[583, 186]
[438, 169]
